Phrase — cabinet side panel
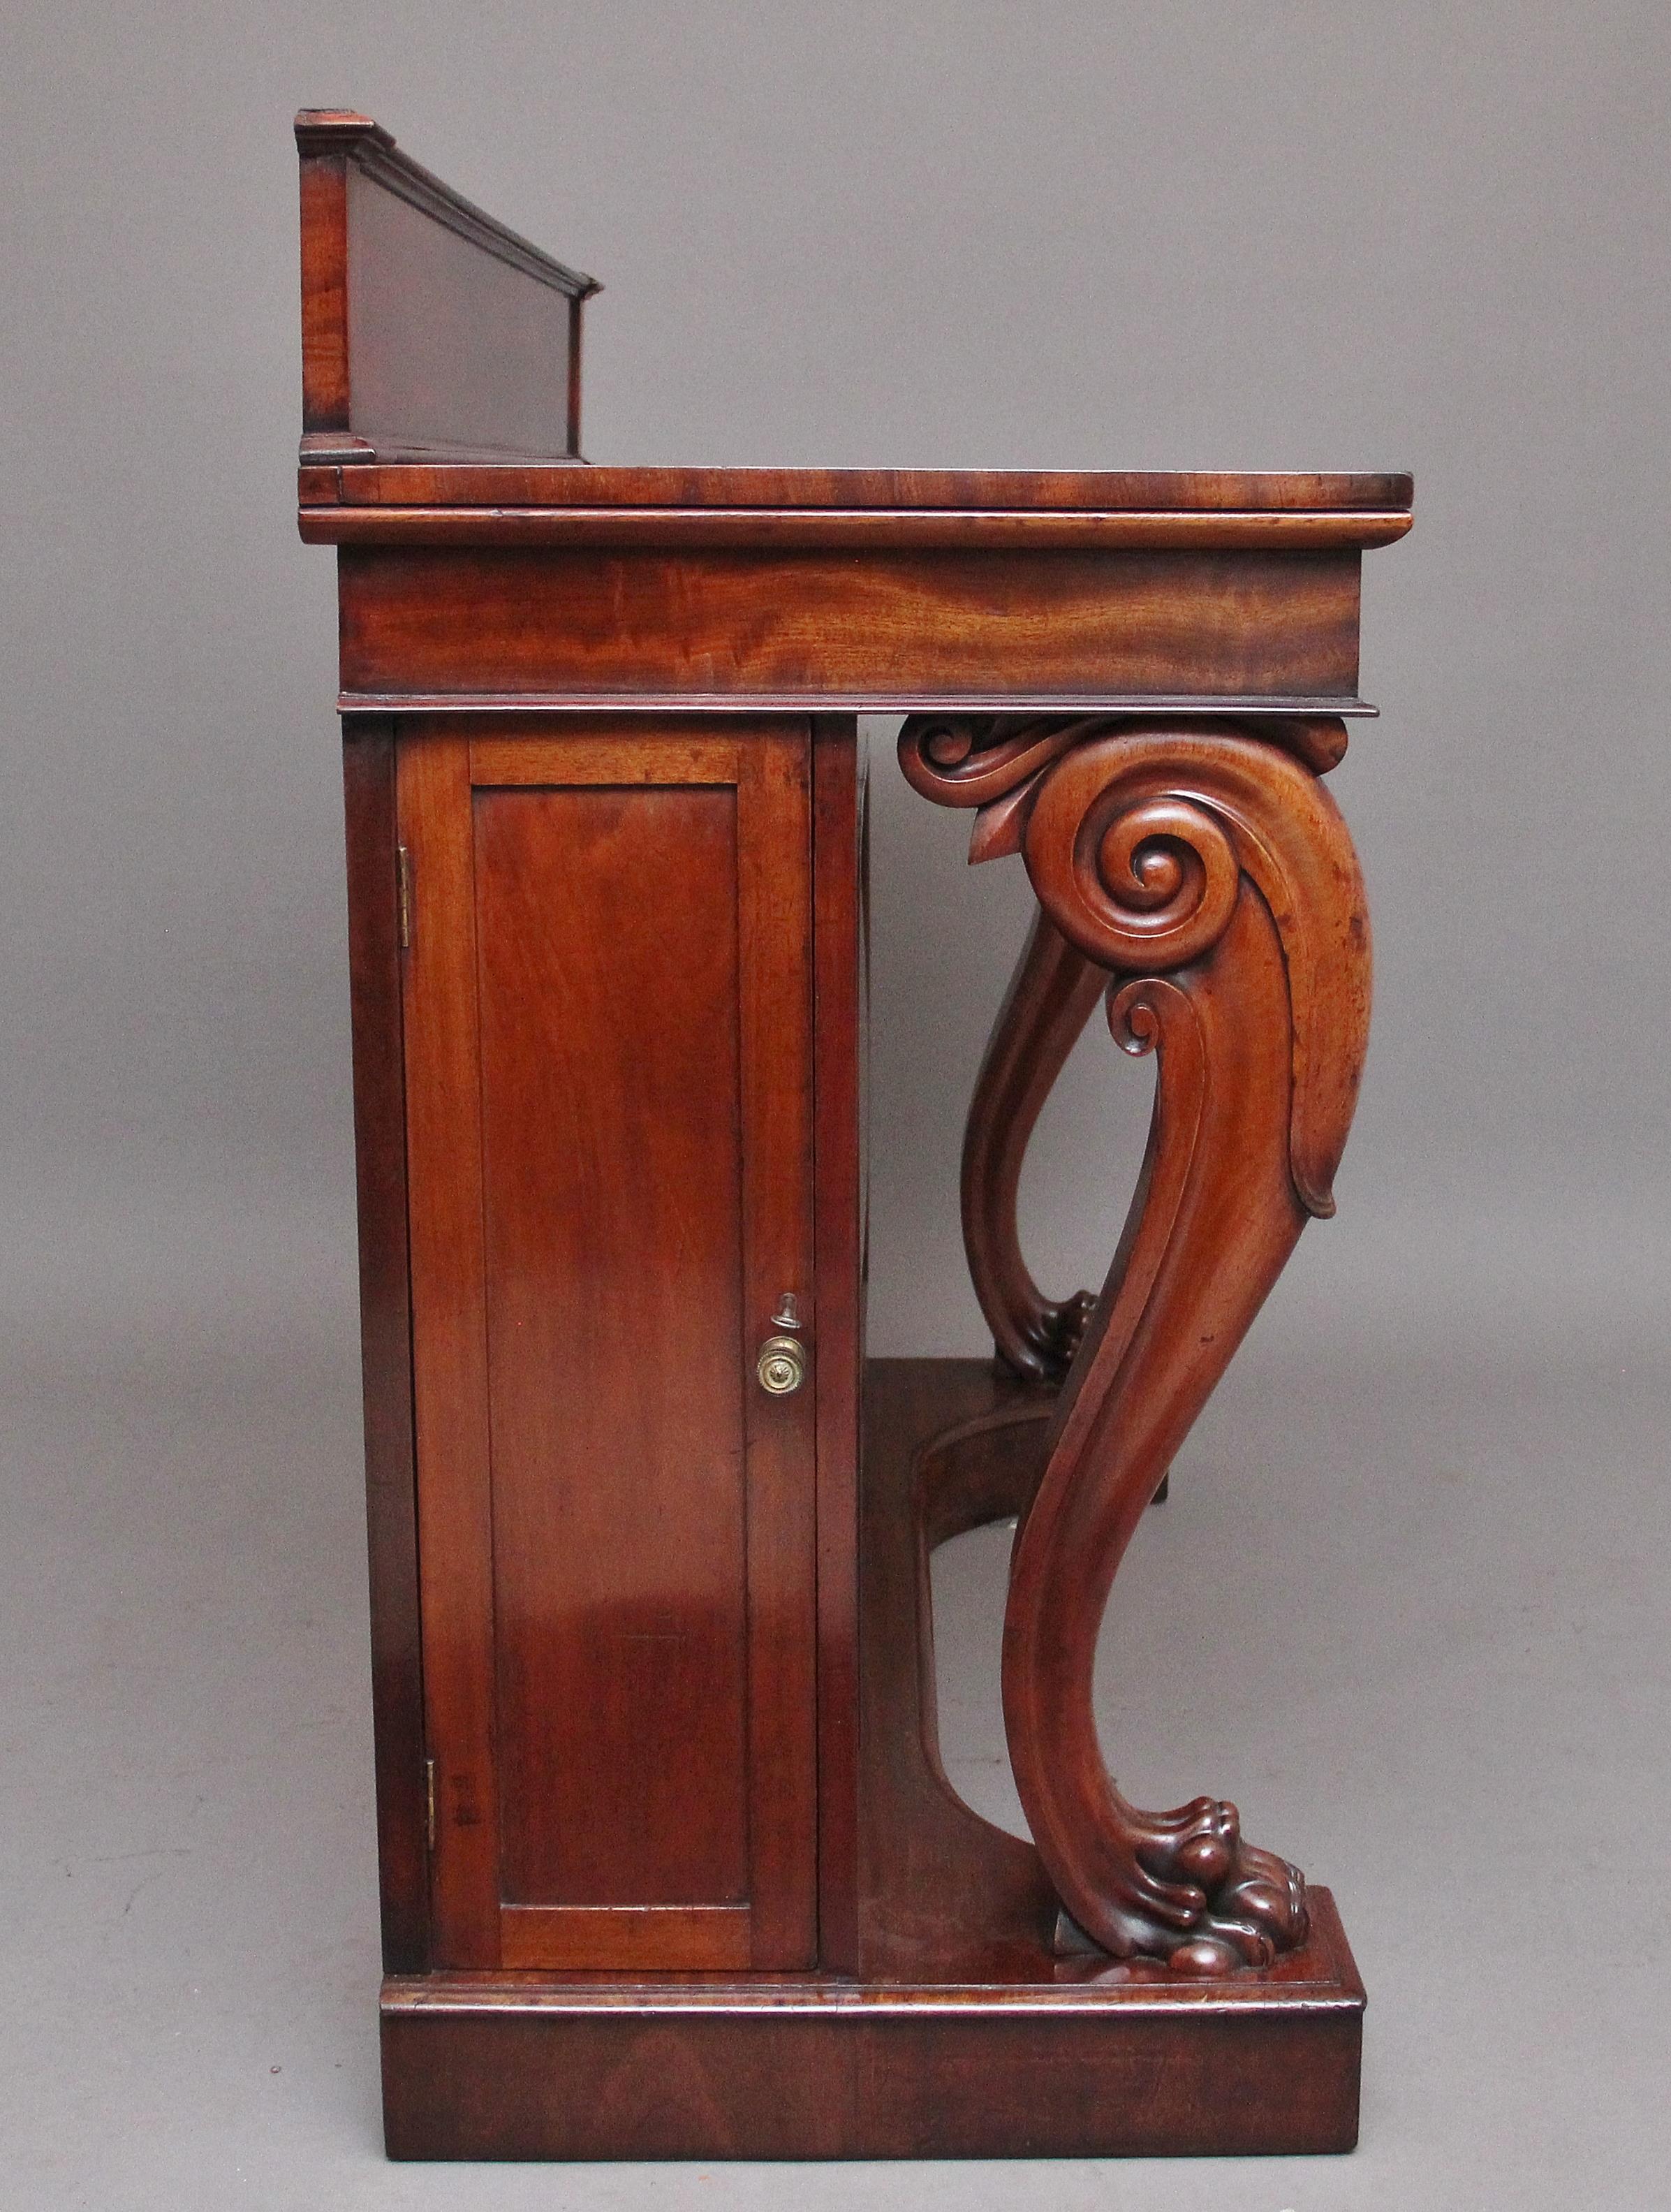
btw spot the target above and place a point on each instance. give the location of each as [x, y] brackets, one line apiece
[449, 1341]
[324, 388]
[607, 934]
[385, 1342]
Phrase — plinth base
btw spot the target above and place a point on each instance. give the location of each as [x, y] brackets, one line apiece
[964, 2034]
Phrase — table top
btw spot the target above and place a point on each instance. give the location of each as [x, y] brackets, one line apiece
[450, 500]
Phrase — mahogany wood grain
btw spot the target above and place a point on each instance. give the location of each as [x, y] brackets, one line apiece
[1210, 875]
[325, 403]
[698, 1885]
[968, 2035]
[801, 529]
[385, 1341]
[745, 2070]
[486, 365]
[613, 1142]
[590, 751]
[838, 893]
[449, 1342]
[959, 625]
[631, 1075]
[572, 420]
[773, 492]
[1052, 995]
[774, 929]
[950, 1445]
[491, 365]
[629, 1937]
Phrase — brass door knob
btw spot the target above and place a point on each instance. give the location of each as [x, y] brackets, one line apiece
[781, 1366]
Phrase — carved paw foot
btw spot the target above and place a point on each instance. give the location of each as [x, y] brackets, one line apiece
[1197, 1897]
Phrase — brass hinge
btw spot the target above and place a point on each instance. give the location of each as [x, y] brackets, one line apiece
[403, 877]
[429, 1800]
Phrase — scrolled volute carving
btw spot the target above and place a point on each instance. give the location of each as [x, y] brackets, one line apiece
[1141, 885]
[970, 760]
[1137, 837]
[981, 760]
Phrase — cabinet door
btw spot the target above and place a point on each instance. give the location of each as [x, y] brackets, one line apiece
[607, 1005]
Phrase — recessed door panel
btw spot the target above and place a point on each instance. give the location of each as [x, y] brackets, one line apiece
[608, 1046]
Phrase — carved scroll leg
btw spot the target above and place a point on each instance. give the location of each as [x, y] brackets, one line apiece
[1215, 1219]
[1223, 863]
[1210, 874]
[1051, 997]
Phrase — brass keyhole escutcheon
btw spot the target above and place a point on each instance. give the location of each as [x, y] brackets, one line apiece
[781, 1366]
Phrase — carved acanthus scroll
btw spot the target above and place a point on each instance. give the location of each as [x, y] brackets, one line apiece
[1204, 877]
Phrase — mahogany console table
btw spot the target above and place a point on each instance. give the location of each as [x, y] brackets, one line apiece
[670, 1864]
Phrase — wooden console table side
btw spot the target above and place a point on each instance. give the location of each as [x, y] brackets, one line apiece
[671, 1866]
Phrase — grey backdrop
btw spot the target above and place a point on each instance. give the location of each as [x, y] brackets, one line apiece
[1421, 1535]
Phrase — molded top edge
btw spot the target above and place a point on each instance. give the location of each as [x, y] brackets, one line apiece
[436, 481]
[345, 130]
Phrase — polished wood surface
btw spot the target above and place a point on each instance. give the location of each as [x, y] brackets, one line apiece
[1208, 874]
[967, 2034]
[828, 628]
[491, 366]
[807, 529]
[616, 1418]
[449, 1347]
[839, 861]
[610, 1129]
[385, 1339]
[1052, 995]
[671, 1866]
[1374, 502]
